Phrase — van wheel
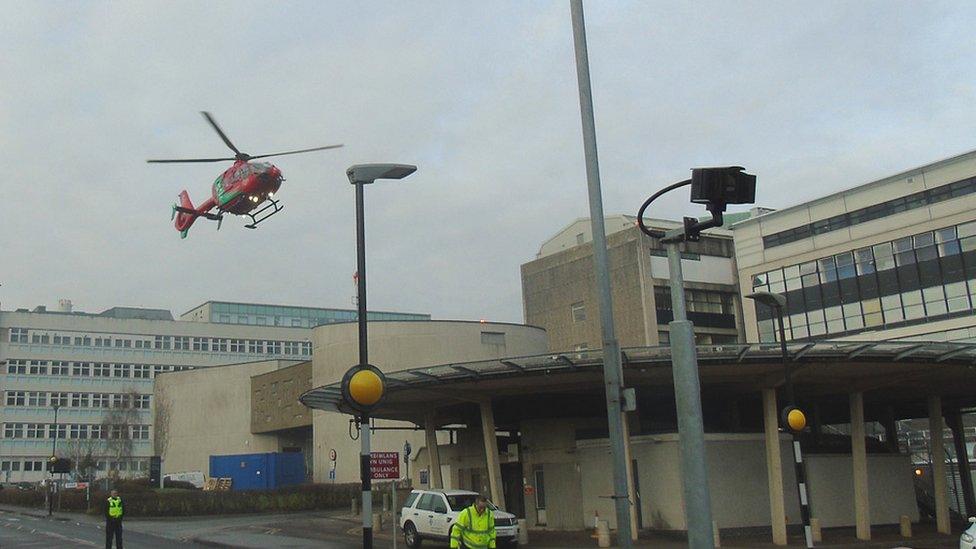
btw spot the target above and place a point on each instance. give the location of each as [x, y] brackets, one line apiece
[410, 536]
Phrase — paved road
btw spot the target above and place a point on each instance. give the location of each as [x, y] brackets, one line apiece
[17, 530]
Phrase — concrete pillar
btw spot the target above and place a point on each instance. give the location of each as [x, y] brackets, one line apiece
[774, 467]
[432, 452]
[938, 465]
[491, 454]
[859, 455]
[631, 488]
[954, 419]
[891, 429]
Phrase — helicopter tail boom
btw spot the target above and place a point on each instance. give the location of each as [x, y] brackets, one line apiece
[185, 214]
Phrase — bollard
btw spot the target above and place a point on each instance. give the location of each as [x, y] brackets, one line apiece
[355, 507]
[523, 532]
[718, 541]
[816, 533]
[906, 526]
[603, 534]
[377, 521]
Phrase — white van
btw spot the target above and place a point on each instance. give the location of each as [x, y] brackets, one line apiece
[429, 514]
[195, 478]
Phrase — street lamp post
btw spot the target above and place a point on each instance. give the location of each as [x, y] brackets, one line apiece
[50, 463]
[791, 417]
[365, 383]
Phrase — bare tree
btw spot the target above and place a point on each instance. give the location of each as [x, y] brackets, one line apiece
[117, 426]
[83, 454]
[161, 421]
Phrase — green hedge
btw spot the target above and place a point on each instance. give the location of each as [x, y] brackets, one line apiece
[142, 501]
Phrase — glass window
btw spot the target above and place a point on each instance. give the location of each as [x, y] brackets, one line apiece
[934, 301]
[578, 310]
[845, 265]
[37, 398]
[956, 296]
[828, 270]
[946, 239]
[884, 259]
[904, 251]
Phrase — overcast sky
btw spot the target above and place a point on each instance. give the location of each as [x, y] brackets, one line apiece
[482, 96]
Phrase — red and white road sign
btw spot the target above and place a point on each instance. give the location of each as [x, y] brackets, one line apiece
[384, 465]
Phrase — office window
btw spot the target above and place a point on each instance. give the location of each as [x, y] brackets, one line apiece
[163, 342]
[81, 369]
[122, 370]
[36, 430]
[37, 398]
[13, 430]
[140, 432]
[140, 371]
[16, 398]
[237, 346]
[307, 348]
[60, 431]
[274, 347]
[142, 402]
[96, 432]
[225, 319]
[578, 310]
[102, 369]
[38, 367]
[201, 344]
[219, 345]
[33, 465]
[120, 401]
[60, 399]
[80, 400]
[18, 335]
[255, 346]
[59, 368]
[78, 431]
[181, 343]
[296, 323]
[16, 366]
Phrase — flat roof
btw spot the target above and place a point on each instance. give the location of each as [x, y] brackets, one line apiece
[875, 183]
[299, 307]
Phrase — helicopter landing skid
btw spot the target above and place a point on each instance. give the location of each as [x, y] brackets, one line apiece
[256, 217]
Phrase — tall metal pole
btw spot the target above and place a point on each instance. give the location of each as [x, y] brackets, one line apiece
[50, 463]
[687, 398]
[364, 469]
[800, 468]
[612, 368]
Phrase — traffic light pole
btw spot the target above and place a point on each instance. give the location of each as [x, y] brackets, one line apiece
[801, 473]
[364, 468]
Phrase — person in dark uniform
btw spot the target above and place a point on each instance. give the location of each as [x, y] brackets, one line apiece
[113, 520]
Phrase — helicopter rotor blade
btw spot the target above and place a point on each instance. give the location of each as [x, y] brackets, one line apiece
[295, 152]
[174, 161]
[220, 132]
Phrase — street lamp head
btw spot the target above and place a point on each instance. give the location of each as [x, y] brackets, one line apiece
[777, 301]
[367, 173]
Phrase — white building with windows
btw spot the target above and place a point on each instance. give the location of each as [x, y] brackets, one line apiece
[893, 259]
[98, 371]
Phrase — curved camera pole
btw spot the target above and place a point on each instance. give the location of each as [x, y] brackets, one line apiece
[687, 390]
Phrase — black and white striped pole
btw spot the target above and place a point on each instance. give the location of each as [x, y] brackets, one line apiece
[792, 417]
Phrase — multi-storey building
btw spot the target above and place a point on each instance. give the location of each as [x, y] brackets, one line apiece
[83, 382]
[559, 293]
[226, 312]
[890, 259]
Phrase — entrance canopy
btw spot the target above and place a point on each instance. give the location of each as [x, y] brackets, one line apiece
[899, 374]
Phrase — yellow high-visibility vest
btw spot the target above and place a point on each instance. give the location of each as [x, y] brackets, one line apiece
[476, 531]
[115, 507]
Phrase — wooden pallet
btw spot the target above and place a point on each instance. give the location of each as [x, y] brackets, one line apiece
[217, 484]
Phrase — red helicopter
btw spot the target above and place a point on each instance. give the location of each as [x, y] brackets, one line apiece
[240, 190]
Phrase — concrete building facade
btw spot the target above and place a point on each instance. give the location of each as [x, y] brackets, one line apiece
[890, 259]
[559, 292]
[254, 407]
[98, 369]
